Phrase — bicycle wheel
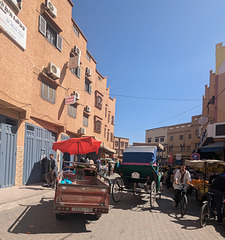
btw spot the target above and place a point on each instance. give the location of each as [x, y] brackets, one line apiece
[117, 189]
[204, 216]
[152, 194]
[183, 204]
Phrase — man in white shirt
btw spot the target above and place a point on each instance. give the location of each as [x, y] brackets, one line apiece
[182, 176]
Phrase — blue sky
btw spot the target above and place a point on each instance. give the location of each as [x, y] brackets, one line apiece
[157, 55]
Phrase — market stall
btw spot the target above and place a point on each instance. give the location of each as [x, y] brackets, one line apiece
[208, 167]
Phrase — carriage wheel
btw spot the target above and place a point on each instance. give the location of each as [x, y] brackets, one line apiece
[134, 188]
[117, 189]
[152, 194]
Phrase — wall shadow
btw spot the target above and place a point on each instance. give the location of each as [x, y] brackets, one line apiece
[40, 219]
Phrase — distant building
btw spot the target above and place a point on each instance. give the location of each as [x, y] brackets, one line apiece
[120, 144]
[179, 140]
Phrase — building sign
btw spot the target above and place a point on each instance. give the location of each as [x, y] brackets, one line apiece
[178, 156]
[70, 99]
[11, 24]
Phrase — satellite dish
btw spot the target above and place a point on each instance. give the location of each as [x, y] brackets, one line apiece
[203, 120]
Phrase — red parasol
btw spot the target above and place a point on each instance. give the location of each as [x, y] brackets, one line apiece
[77, 145]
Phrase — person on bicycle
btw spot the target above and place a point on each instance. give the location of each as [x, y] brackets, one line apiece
[218, 188]
[182, 176]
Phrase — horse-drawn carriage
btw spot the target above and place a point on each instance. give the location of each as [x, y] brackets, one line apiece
[139, 167]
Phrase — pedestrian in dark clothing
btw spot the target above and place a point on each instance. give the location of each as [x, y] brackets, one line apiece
[168, 178]
[218, 188]
[52, 172]
[109, 168]
[66, 158]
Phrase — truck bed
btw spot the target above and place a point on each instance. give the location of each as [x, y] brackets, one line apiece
[85, 195]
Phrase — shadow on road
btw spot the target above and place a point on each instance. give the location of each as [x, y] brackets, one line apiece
[40, 219]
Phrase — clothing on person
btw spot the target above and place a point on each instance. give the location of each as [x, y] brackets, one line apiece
[66, 158]
[98, 165]
[182, 179]
[109, 168]
[218, 188]
[52, 172]
[182, 176]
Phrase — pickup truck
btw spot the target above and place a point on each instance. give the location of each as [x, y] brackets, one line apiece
[80, 189]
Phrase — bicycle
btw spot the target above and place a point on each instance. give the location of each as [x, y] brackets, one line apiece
[183, 200]
[206, 209]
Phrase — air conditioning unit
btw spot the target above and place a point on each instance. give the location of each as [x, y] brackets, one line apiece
[82, 131]
[88, 72]
[77, 51]
[77, 95]
[52, 10]
[88, 109]
[53, 71]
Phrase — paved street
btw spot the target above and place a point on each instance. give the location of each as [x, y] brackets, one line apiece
[131, 218]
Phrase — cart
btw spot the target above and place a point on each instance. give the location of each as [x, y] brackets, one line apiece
[80, 189]
[205, 166]
[139, 167]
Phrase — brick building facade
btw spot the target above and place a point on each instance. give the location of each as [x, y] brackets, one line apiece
[37, 74]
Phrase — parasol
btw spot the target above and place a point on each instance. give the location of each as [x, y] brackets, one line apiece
[77, 145]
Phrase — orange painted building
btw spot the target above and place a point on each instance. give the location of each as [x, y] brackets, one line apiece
[42, 62]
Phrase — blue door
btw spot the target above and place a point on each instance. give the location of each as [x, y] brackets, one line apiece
[38, 141]
[8, 139]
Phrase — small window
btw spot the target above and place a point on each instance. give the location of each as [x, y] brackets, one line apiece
[182, 148]
[149, 140]
[49, 33]
[76, 30]
[87, 87]
[72, 111]
[85, 120]
[171, 138]
[122, 144]
[181, 137]
[116, 143]
[170, 148]
[126, 144]
[48, 92]
[197, 132]
[189, 136]
[162, 139]
[104, 132]
[105, 111]
[88, 56]
[189, 148]
[98, 102]
[121, 152]
[76, 71]
[108, 135]
[99, 78]
[112, 121]
[156, 139]
[98, 126]
[111, 137]
[108, 117]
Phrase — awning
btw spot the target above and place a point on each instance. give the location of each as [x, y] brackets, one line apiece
[214, 147]
[107, 148]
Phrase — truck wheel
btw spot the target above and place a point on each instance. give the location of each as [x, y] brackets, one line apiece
[97, 216]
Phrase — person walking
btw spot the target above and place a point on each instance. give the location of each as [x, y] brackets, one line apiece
[218, 188]
[52, 172]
